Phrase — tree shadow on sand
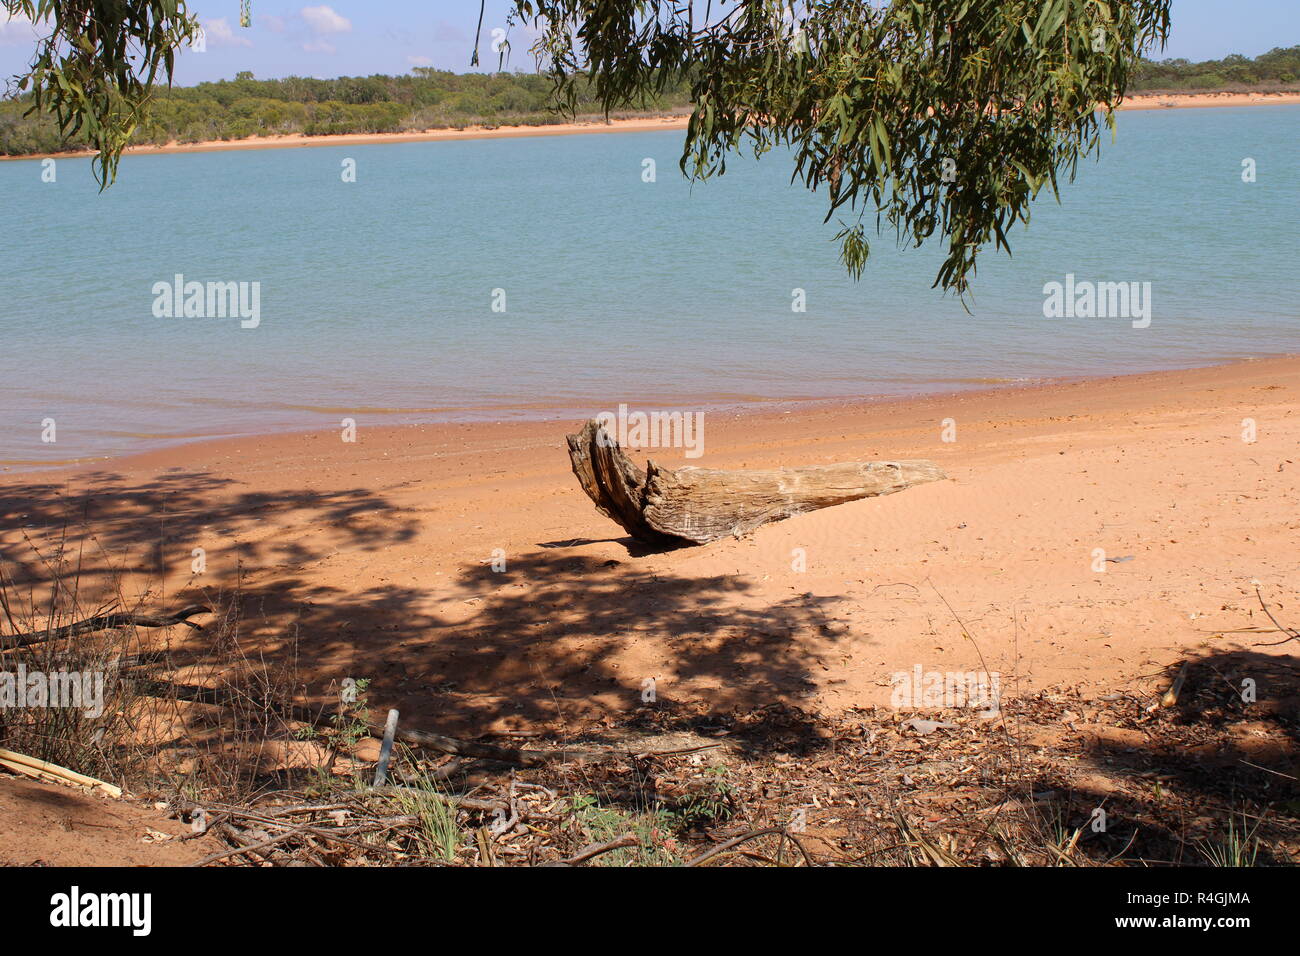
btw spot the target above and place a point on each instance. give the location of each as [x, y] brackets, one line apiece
[543, 643]
[108, 527]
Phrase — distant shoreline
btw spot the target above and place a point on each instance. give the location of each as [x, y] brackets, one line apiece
[1162, 101]
[299, 140]
[1139, 101]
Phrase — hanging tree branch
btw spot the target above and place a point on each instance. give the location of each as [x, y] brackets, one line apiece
[96, 67]
[942, 117]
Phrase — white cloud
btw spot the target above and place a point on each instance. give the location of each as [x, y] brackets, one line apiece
[319, 46]
[18, 30]
[324, 20]
[218, 33]
[419, 61]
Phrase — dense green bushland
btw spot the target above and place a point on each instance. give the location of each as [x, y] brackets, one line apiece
[1277, 68]
[424, 99]
[233, 109]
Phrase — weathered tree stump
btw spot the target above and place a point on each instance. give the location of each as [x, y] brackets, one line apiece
[668, 507]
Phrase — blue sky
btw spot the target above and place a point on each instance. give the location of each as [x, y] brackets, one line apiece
[360, 37]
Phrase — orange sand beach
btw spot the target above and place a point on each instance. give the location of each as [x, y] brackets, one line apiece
[1090, 534]
[295, 140]
[1150, 101]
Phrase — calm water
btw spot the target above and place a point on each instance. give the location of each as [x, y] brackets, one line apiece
[376, 296]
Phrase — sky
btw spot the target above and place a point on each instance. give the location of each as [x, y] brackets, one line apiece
[362, 37]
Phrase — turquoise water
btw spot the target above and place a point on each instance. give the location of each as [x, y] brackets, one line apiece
[376, 296]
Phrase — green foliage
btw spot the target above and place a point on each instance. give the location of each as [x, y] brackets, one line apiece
[599, 824]
[1278, 67]
[423, 797]
[352, 723]
[232, 109]
[872, 99]
[95, 69]
[706, 805]
[1237, 846]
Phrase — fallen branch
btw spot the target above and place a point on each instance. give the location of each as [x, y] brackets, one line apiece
[104, 622]
[1291, 633]
[465, 803]
[252, 847]
[596, 849]
[732, 844]
[225, 697]
[256, 841]
[471, 748]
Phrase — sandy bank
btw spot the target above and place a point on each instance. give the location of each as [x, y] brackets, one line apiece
[380, 553]
[1141, 101]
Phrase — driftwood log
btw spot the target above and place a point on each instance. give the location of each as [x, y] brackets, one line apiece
[675, 507]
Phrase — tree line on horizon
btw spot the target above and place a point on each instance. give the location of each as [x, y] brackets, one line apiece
[429, 98]
[424, 99]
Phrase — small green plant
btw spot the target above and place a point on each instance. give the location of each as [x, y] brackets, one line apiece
[708, 805]
[348, 727]
[600, 824]
[1239, 846]
[422, 798]
[352, 722]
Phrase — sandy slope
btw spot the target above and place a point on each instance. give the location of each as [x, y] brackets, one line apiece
[378, 552]
[44, 824]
